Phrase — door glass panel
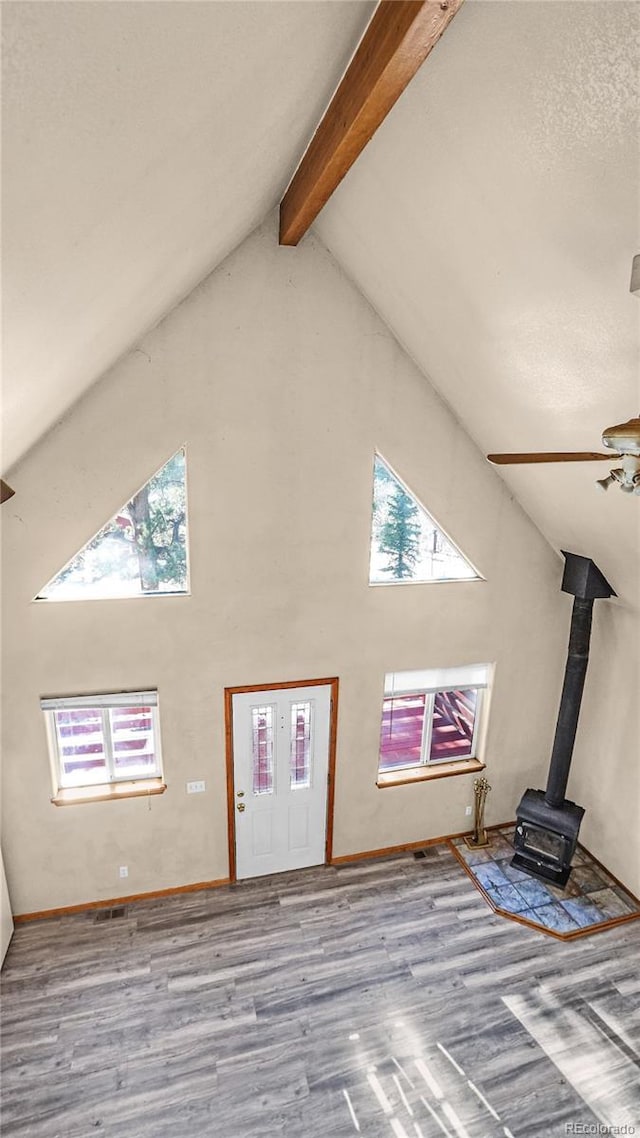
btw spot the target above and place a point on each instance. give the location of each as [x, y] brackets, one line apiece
[300, 767]
[454, 715]
[262, 749]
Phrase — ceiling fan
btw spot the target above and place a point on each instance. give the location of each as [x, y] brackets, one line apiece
[623, 441]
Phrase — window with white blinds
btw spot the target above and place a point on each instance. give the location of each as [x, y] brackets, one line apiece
[103, 739]
[431, 716]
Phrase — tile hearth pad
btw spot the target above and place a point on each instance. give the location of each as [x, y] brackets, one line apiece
[591, 901]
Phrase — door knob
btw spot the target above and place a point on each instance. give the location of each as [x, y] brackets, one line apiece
[241, 807]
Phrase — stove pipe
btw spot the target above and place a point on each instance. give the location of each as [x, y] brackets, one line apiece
[547, 824]
[570, 700]
[584, 580]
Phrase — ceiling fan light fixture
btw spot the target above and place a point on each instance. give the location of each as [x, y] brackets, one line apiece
[605, 483]
[635, 275]
[627, 476]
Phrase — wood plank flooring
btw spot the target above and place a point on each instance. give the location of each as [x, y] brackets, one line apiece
[381, 999]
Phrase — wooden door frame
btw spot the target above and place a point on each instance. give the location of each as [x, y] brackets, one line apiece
[329, 681]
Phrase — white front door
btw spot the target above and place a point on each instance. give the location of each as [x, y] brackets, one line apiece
[280, 765]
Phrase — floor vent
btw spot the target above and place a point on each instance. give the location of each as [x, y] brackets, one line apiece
[110, 914]
[419, 853]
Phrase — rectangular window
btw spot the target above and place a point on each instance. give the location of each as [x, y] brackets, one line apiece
[103, 740]
[431, 717]
[402, 730]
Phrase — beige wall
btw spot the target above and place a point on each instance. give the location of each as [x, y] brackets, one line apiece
[605, 774]
[281, 380]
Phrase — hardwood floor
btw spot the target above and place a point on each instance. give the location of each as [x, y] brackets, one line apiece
[382, 998]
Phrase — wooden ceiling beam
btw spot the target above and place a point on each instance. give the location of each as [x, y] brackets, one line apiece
[5, 491]
[399, 38]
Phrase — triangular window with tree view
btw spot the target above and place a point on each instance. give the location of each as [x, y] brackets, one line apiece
[140, 552]
[406, 543]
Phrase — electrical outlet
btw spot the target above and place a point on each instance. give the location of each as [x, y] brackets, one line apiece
[124, 870]
[197, 787]
[468, 810]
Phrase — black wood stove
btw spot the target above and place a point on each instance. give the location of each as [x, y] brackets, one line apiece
[547, 824]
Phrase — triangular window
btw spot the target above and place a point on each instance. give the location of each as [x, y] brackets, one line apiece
[141, 551]
[406, 543]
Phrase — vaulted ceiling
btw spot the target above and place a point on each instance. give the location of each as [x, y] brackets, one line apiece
[491, 221]
[142, 141]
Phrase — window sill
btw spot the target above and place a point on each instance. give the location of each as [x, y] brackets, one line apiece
[427, 773]
[106, 792]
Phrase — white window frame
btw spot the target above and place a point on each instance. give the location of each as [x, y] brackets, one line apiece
[88, 595]
[474, 677]
[104, 704]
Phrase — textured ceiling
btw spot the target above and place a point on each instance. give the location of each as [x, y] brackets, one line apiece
[492, 222]
[141, 142]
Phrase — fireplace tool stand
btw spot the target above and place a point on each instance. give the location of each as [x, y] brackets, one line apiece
[478, 838]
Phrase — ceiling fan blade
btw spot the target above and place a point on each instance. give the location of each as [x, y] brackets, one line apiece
[551, 456]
